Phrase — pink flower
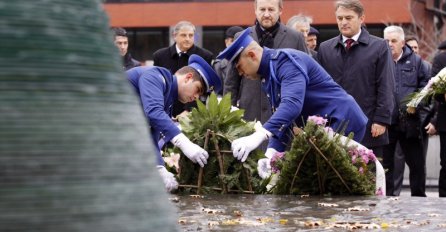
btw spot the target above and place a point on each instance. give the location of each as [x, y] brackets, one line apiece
[320, 121]
[365, 158]
[361, 170]
[379, 192]
[372, 155]
[354, 157]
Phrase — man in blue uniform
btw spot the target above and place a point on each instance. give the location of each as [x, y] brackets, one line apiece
[158, 89]
[296, 85]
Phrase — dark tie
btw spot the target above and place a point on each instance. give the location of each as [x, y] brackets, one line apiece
[348, 44]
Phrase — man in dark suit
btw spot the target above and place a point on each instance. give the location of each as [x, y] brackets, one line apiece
[439, 121]
[121, 41]
[221, 66]
[301, 23]
[177, 56]
[312, 38]
[411, 75]
[362, 64]
[269, 32]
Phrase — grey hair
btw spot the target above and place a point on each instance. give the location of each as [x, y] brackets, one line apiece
[300, 18]
[354, 5]
[396, 29]
[182, 24]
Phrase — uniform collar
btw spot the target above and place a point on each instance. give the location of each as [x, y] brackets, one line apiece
[174, 88]
[264, 69]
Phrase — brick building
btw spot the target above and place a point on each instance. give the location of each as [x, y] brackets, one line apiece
[148, 21]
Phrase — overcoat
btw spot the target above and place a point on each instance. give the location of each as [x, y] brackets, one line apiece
[411, 75]
[365, 72]
[439, 63]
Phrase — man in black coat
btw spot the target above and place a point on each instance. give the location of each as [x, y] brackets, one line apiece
[221, 66]
[121, 41]
[440, 120]
[362, 64]
[177, 56]
[411, 75]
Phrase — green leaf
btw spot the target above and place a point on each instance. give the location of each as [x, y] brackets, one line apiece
[225, 126]
[212, 105]
[225, 106]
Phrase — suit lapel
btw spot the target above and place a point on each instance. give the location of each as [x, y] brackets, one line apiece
[280, 36]
[253, 34]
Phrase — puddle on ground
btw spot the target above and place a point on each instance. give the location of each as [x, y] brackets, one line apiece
[303, 213]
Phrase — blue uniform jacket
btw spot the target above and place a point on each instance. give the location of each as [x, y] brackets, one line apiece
[157, 89]
[296, 85]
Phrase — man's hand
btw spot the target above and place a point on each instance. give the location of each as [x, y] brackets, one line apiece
[430, 129]
[168, 178]
[243, 146]
[181, 115]
[377, 129]
[264, 165]
[194, 152]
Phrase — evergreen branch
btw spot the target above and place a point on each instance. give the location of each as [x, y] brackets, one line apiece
[298, 168]
[329, 163]
[220, 159]
[200, 173]
[319, 180]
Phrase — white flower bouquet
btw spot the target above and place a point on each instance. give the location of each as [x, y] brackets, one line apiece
[436, 85]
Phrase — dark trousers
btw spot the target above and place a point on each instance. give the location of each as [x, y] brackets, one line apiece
[414, 156]
[400, 165]
[442, 178]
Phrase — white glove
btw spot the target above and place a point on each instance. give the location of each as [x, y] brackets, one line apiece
[264, 165]
[190, 149]
[243, 146]
[169, 180]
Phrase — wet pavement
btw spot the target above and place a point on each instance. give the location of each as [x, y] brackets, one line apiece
[304, 213]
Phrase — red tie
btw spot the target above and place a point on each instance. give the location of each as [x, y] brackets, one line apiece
[348, 44]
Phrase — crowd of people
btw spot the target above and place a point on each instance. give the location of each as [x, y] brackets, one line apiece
[274, 72]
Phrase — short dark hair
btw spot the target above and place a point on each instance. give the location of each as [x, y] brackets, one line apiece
[354, 5]
[230, 32]
[412, 37]
[195, 75]
[119, 31]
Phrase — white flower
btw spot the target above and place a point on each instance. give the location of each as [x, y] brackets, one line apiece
[426, 91]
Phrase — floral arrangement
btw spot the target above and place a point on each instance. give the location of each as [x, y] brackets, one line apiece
[436, 85]
[322, 162]
[214, 126]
